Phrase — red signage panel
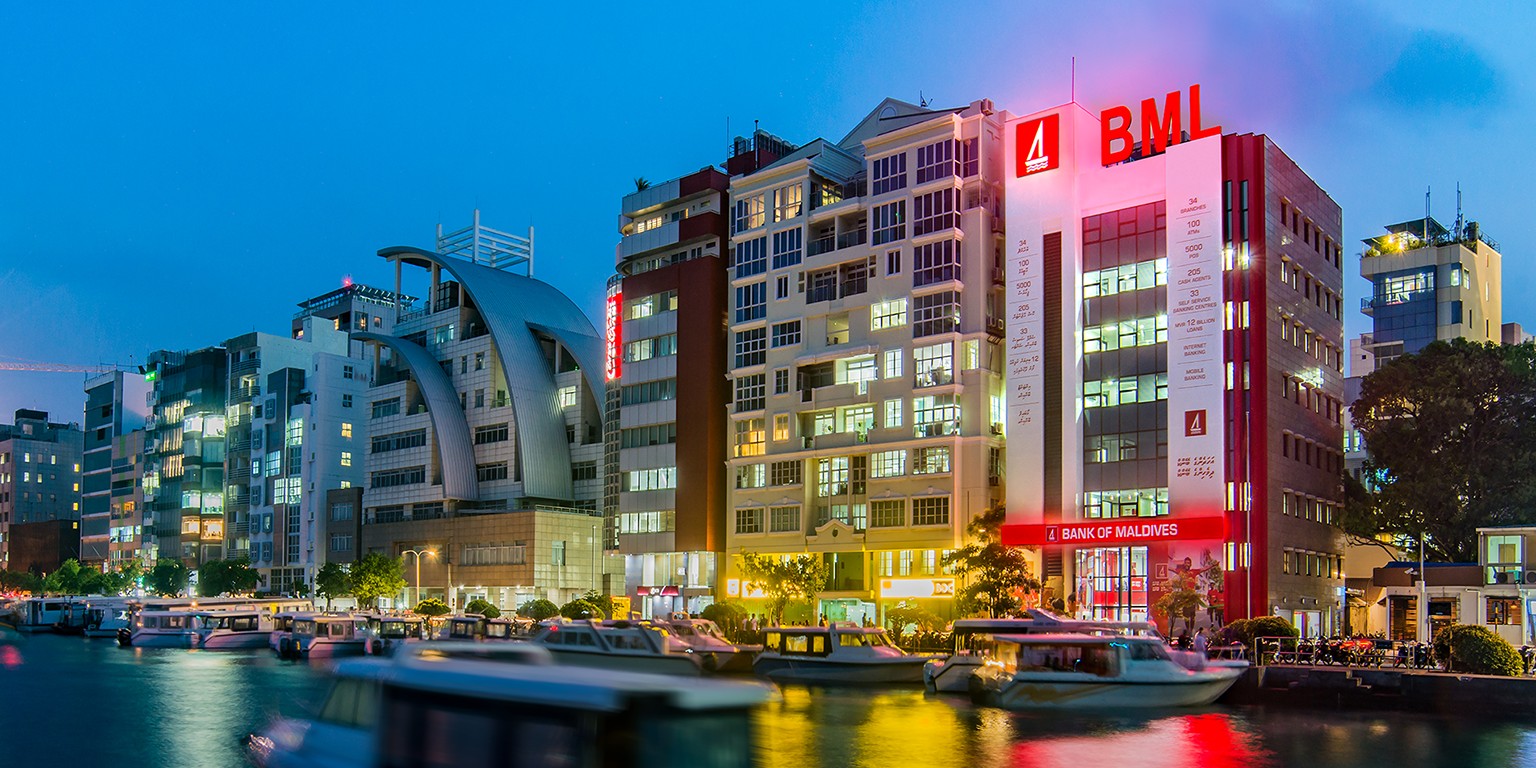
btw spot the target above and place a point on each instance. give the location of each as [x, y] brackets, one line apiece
[1037, 145]
[614, 331]
[1136, 530]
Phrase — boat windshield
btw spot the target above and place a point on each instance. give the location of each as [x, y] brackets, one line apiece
[1094, 659]
[861, 640]
[394, 629]
[1148, 652]
[303, 626]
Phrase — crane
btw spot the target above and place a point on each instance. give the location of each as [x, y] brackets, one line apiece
[20, 364]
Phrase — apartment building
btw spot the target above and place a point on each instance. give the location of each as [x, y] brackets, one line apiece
[40, 469]
[485, 431]
[129, 538]
[866, 359]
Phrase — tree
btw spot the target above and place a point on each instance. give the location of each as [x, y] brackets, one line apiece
[375, 576]
[484, 608]
[124, 579]
[67, 579]
[538, 610]
[726, 616]
[603, 602]
[642, 184]
[785, 580]
[909, 614]
[1450, 435]
[432, 608]
[332, 581]
[19, 581]
[167, 579]
[996, 576]
[222, 577]
[580, 609]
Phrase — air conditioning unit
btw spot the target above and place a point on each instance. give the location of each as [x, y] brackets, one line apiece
[997, 429]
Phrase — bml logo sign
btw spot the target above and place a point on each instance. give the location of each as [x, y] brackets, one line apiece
[1037, 144]
[1194, 423]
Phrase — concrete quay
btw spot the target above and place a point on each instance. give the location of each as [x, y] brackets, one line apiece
[1387, 689]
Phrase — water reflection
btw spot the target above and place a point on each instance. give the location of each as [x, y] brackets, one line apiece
[822, 728]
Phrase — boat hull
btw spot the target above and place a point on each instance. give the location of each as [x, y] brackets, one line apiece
[1108, 694]
[333, 650]
[163, 640]
[902, 671]
[687, 666]
[950, 676]
[234, 641]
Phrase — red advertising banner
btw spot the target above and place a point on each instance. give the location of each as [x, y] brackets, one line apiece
[1115, 532]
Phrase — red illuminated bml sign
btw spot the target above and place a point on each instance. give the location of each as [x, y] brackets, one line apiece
[1159, 130]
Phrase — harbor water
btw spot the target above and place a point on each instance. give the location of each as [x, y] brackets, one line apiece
[69, 701]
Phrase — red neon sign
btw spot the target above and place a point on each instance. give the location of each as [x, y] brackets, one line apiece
[1159, 130]
[1135, 530]
[614, 330]
[1036, 145]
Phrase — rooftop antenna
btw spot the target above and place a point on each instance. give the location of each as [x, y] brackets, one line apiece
[921, 101]
[1458, 210]
[1426, 214]
[1074, 79]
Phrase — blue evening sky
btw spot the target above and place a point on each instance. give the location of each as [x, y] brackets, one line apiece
[172, 175]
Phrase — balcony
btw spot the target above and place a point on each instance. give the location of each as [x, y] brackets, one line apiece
[649, 240]
[829, 244]
[937, 429]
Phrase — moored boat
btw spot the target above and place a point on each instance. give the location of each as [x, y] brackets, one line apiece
[231, 630]
[705, 638]
[104, 616]
[387, 634]
[840, 654]
[1078, 671]
[40, 614]
[634, 646]
[973, 644]
[162, 629]
[397, 712]
[325, 635]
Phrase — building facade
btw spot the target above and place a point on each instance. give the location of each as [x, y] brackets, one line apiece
[129, 538]
[866, 357]
[666, 483]
[1429, 283]
[40, 468]
[184, 453]
[1175, 412]
[485, 402]
[114, 406]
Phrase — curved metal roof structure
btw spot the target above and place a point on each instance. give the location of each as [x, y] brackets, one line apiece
[455, 449]
[514, 308]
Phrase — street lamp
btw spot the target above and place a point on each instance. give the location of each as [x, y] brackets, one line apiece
[418, 553]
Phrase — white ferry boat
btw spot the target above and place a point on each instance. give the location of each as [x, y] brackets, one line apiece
[469, 626]
[973, 642]
[415, 710]
[162, 629]
[40, 614]
[1070, 671]
[325, 636]
[231, 630]
[386, 634]
[633, 646]
[705, 638]
[104, 616]
[840, 654]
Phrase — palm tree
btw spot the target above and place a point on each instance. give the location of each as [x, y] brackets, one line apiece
[642, 184]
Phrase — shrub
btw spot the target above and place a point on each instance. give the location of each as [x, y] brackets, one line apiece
[484, 608]
[538, 610]
[432, 608]
[727, 616]
[1477, 650]
[1270, 626]
[1239, 631]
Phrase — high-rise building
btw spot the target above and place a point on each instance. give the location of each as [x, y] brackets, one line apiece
[665, 360]
[1175, 369]
[40, 465]
[485, 433]
[184, 453]
[114, 406]
[295, 429]
[865, 357]
[1430, 283]
[353, 307]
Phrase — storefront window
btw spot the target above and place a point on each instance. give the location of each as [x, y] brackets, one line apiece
[1112, 583]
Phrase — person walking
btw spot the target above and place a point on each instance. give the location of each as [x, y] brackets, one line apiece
[1200, 641]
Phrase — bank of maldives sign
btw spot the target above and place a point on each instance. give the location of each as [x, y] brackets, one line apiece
[1058, 179]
